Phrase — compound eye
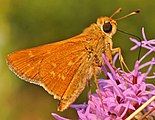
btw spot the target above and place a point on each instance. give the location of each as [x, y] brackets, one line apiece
[107, 27]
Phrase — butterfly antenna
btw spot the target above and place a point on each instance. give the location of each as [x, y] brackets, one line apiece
[132, 13]
[116, 12]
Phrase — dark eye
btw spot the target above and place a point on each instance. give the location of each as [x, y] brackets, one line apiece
[107, 27]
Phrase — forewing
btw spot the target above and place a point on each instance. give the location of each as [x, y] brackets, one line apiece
[52, 66]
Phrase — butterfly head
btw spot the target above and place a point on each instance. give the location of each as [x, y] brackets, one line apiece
[107, 25]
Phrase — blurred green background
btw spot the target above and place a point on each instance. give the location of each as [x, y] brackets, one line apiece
[25, 24]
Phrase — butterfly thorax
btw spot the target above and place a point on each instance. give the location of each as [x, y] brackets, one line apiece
[99, 39]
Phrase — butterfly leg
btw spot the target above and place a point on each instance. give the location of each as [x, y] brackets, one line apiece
[118, 50]
[90, 88]
[97, 64]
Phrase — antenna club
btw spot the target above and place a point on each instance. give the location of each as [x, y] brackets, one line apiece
[137, 11]
[117, 11]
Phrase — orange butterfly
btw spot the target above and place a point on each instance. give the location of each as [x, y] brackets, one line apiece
[63, 68]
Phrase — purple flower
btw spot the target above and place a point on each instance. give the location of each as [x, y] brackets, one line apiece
[122, 92]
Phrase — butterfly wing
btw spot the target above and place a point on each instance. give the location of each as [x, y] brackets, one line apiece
[61, 68]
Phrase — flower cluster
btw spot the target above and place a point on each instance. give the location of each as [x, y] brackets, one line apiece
[122, 92]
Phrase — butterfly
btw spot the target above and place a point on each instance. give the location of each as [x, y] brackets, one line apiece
[63, 68]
